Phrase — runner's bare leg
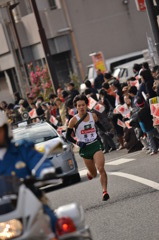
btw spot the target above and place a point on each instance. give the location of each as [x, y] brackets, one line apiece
[99, 163]
[91, 167]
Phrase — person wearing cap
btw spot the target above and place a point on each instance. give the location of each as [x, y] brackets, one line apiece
[20, 160]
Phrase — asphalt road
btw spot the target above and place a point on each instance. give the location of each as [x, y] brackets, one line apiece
[132, 213]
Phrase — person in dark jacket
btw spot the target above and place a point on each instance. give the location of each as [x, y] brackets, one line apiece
[98, 80]
[72, 91]
[146, 124]
[106, 136]
[107, 77]
[148, 79]
[136, 69]
[119, 94]
[105, 100]
[39, 110]
[17, 98]
[133, 94]
[110, 94]
[130, 140]
[89, 86]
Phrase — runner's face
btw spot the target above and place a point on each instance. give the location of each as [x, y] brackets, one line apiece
[81, 107]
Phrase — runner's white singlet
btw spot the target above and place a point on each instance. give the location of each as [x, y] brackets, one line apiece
[86, 131]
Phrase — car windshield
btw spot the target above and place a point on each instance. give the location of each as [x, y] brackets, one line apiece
[36, 134]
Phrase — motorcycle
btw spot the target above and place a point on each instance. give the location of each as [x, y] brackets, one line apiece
[22, 214]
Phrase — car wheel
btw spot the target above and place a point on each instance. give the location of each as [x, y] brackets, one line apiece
[75, 178]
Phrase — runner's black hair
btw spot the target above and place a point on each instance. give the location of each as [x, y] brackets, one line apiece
[80, 98]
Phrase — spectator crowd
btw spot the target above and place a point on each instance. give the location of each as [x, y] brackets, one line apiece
[124, 109]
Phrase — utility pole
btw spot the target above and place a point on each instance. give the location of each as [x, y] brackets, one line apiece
[21, 55]
[153, 11]
[48, 57]
[10, 36]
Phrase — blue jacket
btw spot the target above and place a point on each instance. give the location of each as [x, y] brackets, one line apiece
[20, 160]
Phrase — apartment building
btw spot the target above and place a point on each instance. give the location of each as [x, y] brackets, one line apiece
[74, 29]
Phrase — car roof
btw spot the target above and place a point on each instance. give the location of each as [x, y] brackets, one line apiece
[122, 57]
[130, 64]
[33, 125]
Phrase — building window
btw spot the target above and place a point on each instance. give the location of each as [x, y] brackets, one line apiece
[25, 8]
[28, 6]
[52, 4]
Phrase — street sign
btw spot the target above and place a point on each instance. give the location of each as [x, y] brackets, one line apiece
[141, 6]
[98, 61]
[4, 2]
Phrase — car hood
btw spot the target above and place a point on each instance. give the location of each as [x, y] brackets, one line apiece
[52, 145]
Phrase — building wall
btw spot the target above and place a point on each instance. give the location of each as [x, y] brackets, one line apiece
[107, 26]
[99, 25]
[52, 20]
[5, 90]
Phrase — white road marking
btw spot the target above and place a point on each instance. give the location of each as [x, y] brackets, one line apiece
[144, 181]
[120, 161]
[83, 172]
[124, 156]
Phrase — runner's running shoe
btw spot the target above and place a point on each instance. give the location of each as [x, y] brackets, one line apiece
[89, 176]
[105, 196]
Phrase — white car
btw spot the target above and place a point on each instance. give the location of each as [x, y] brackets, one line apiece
[42, 135]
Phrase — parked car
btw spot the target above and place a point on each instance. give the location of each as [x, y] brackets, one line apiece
[125, 71]
[43, 134]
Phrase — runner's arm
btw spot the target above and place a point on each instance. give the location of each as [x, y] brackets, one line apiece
[69, 131]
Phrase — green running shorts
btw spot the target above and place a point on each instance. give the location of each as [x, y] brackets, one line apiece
[90, 149]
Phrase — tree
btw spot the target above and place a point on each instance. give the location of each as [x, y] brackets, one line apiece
[41, 84]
